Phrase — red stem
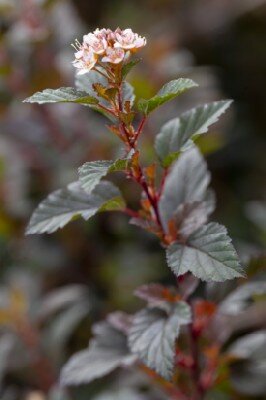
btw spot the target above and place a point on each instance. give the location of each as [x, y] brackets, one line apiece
[131, 136]
[153, 200]
[122, 125]
[107, 109]
[195, 370]
[139, 130]
[141, 180]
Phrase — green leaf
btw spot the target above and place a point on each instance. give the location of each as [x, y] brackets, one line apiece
[208, 254]
[128, 67]
[168, 92]
[62, 95]
[187, 182]
[107, 351]
[92, 172]
[63, 205]
[114, 204]
[175, 135]
[153, 334]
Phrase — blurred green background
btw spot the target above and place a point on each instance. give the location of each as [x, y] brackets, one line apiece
[221, 44]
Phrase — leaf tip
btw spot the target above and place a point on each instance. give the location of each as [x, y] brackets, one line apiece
[193, 83]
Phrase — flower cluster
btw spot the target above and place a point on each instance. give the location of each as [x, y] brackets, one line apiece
[106, 46]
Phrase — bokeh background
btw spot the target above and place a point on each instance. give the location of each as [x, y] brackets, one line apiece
[54, 287]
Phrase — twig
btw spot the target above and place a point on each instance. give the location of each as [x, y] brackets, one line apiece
[140, 128]
[195, 370]
[107, 109]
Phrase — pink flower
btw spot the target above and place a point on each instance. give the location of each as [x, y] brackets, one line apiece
[106, 46]
[128, 40]
[97, 41]
[85, 58]
[114, 56]
[102, 33]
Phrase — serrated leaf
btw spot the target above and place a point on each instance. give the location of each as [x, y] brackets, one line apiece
[240, 298]
[153, 335]
[62, 95]
[187, 181]
[190, 216]
[100, 90]
[92, 172]
[128, 67]
[151, 292]
[168, 92]
[208, 254]
[85, 83]
[175, 136]
[155, 294]
[61, 206]
[107, 351]
[120, 321]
